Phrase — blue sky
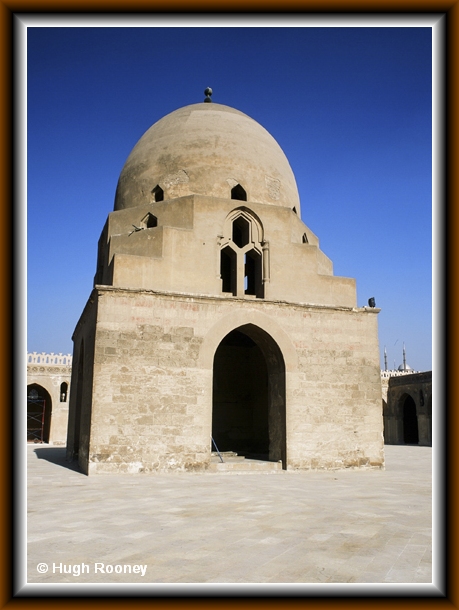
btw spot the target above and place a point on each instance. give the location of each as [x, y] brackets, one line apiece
[350, 106]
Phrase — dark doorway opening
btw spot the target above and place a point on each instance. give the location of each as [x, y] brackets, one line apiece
[410, 422]
[38, 414]
[248, 412]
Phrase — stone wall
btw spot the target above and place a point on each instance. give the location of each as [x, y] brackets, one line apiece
[418, 387]
[50, 371]
[183, 252]
[81, 398]
[153, 368]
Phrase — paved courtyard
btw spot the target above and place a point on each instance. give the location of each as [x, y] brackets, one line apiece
[314, 527]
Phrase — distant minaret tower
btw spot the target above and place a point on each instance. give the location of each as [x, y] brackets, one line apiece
[404, 358]
[385, 359]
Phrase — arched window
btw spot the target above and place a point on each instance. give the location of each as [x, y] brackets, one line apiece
[241, 231]
[253, 273]
[305, 238]
[149, 221]
[244, 262]
[238, 192]
[158, 193]
[64, 390]
[228, 270]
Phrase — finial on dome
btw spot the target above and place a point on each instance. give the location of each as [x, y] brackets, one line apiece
[208, 93]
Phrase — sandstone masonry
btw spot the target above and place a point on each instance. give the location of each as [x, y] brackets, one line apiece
[215, 315]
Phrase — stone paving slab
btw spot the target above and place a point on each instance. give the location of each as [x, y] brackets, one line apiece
[311, 527]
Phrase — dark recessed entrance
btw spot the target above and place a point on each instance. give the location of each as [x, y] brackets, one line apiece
[248, 413]
[38, 414]
[410, 422]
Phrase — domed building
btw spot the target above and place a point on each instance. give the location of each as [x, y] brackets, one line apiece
[405, 367]
[215, 322]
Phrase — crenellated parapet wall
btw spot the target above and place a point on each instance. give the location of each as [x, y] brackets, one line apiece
[387, 375]
[49, 359]
[396, 373]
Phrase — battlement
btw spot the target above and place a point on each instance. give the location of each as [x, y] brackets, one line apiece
[50, 359]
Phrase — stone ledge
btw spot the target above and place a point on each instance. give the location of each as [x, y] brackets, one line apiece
[100, 289]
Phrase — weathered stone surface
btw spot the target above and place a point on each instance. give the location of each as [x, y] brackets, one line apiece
[400, 391]
[162, 406]
[219, 316]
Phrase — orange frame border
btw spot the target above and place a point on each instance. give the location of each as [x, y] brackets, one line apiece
[7, 10]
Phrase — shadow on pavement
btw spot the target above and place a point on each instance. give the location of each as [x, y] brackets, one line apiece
[56, 455]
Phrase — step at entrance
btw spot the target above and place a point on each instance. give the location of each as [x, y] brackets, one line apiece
[232, 462]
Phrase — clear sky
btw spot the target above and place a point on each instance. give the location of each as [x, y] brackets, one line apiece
[350, 106]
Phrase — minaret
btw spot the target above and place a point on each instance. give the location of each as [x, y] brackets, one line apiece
[404, 358]
[385, 359]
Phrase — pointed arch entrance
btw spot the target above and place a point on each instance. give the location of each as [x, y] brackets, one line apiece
[410, 421]
[39, 406]
[248, 401]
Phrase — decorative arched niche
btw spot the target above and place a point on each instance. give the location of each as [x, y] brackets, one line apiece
[244, 255]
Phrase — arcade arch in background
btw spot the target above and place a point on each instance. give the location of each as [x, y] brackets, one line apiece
[39, 408]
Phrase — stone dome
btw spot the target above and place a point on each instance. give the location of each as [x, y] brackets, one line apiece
[406, 368]
[207, 149]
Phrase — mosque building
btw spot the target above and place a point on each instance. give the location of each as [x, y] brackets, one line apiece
[215, 322]
[407, 404]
